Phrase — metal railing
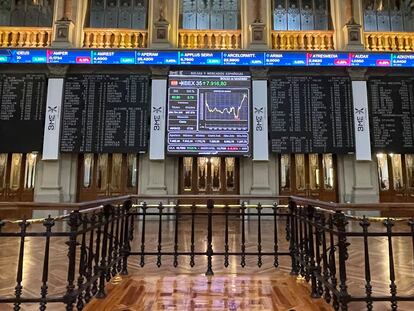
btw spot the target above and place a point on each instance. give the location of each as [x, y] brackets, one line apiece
[103, 238]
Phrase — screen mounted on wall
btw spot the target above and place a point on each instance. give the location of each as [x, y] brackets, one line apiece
[208, 113]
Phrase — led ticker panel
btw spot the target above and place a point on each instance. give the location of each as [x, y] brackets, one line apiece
[208, 113]
[205, 58]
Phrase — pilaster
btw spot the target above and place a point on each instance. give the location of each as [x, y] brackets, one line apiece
[365, 186]
[48, 187]
[161, 27]
[257, 29]
[63, 28]
[352, 30]
[260, 164]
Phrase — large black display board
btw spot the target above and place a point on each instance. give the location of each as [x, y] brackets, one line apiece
[22, 110]
[208, 113]
[391, 102]
[105, 113]
[311, 114]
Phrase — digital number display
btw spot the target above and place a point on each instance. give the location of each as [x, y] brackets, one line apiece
[208, 113]
[205, 58]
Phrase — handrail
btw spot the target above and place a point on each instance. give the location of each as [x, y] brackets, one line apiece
[297, 199]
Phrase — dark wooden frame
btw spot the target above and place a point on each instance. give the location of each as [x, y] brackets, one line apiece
[320, 194]
[93, 193]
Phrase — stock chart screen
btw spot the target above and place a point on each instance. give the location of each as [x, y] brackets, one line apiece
[208, 113]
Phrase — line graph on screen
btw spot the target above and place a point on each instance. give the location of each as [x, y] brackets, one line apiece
[226, 106]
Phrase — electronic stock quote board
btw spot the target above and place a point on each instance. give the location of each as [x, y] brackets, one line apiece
[208, 113]
[391, 102]
[105, 113]
[22, 110]
[311, 114]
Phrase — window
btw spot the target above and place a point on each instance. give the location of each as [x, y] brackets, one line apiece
[34, 13]
[87, 169]
[388, 15]
[118, 14]
[301, 15]
[383, 171]
[210, 14]
[30, 170]
[3, 167]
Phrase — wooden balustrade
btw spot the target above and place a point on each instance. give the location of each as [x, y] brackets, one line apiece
[303, 40]
[114, 38]
[389, 41]
[25, 37]
[209, 39]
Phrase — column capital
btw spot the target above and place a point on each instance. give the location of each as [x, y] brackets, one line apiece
[357, 74]
[259, 73]
[57, 71]
[160, 72]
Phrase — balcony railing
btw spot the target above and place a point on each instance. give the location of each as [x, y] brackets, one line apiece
[115, 38]
[340, 255]
[303, 40]
[389, 41]
[25, 36]
[209, 39]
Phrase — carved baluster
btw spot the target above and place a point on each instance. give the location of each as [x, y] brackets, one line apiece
[200, 40]
[28, 40]
[185, 40]
[99, 41]
[230, 41]
[282, 41]
[295, 41]
[324, 38]
[367, 45]
[21, 36]
[86, 41]
[5, 38]
[301, 41]
[122, 43]
[128, 39]
[193, 41]
[382, 42]
[237, 43]
[309, 39]
[386, 42]
[216, 41]
[273, 41]
[288, 41]
[90, 40]
[108, 39]
[330, 42]
[374, 43]
[38, 39]
[318, 39]
[223, 41]
[209, 41]
[43, 38]
[394, 41]
[407, 46]
[400, 42]
[181, 40]
[134, 40]
[14, 39]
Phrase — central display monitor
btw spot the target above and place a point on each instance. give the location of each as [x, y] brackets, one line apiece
[208, 113]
